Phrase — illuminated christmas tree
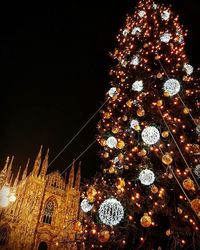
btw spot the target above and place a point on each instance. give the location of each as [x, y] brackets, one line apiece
[148, 195]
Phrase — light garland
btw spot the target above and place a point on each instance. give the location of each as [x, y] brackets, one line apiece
[111, 212]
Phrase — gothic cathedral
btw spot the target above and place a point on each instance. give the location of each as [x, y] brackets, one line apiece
[45, 211]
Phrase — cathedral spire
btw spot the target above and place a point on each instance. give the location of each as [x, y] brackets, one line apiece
[24, 175]
[71, 176]
[17, 178]
[37, 163]
[45, 164]
[5, 168]
[3, 173]
[78, 177]
[11, 180]
[9, 169]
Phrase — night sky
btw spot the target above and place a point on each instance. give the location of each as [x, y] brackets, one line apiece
[54, 64]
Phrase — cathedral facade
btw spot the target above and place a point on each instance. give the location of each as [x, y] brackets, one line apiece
[46, 209]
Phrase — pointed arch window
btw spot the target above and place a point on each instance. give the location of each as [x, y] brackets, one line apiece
[3, 236]
[48, 212]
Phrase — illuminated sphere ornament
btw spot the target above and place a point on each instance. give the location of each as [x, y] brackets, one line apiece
[172, 87]
[147, 177]
[146, 220]
[195, 204]
[141, 13]
[136, 31]
[188, 68]
[165, 15]
[150, 135]
[198, 129]
[135, 60]
[104, 236]
[125, 32]
[111, 142]
[188, 184]
[111, 212]
[165, 38]
[137, 86]
[86, 206]
[112, 92]
[197, 170]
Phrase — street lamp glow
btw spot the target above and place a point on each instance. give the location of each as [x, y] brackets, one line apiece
[12, 197]
[4, 202]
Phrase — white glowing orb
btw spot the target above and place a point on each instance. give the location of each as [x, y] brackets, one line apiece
[147, 177]
[125, 32]
[86, 206]
[188, 68]
[12, 197]
[134, 123]
[135, 60]
[112, 91]
[141, 13]
[136, 30]
[172, 87]
[111, 212]
[155, 6]
[165, 38]
[150, 135]
[165, 15]
[197, 170]
[198, 129]
[4, 202]
[5, 191]
[137, 86]
[111, 142]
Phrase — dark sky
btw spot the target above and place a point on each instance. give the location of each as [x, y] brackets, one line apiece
[54, 65]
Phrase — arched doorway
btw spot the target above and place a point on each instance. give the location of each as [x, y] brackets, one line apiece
[43, 246]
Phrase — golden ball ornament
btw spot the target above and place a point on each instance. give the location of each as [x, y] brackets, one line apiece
[168, 232]
[91, 198]
[91, 191]
[195, 204]
[106, 155]
[142, 153]
[165, 134]
[120, 183]
[120, 144]
[167, 159]
[103, 142]
[140, 112]
[77, 226]
[159, 103]
[186, 111]
[159, 75]
[137, 128]
[126, 167]
[146, 45]
[188, 184]
[154, 189]
[107, 115]
[115, 130]
[146, 220]
[120, 157]
[185, 78]
[104, 236]
[129, 103]
[180, 210]
[111, 170]
[167, 94]
[124, 118]
[170, 176]
[157, 57]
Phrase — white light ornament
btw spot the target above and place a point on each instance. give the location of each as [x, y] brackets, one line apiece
[165, 38]
[111, 212]
[197, 170]
[112, 92]
[135, 60]
[165, 15]
[86, 206]
[150, 135]
[147, 177]
[125, 32]
[198, 129]
[136, 31]
[155, 6]
[141, 13]
[188, 68]
[137, 86]
[172, 86]
[111, 142]
[134, 123]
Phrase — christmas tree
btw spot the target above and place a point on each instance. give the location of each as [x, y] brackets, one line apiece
[148, 195]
